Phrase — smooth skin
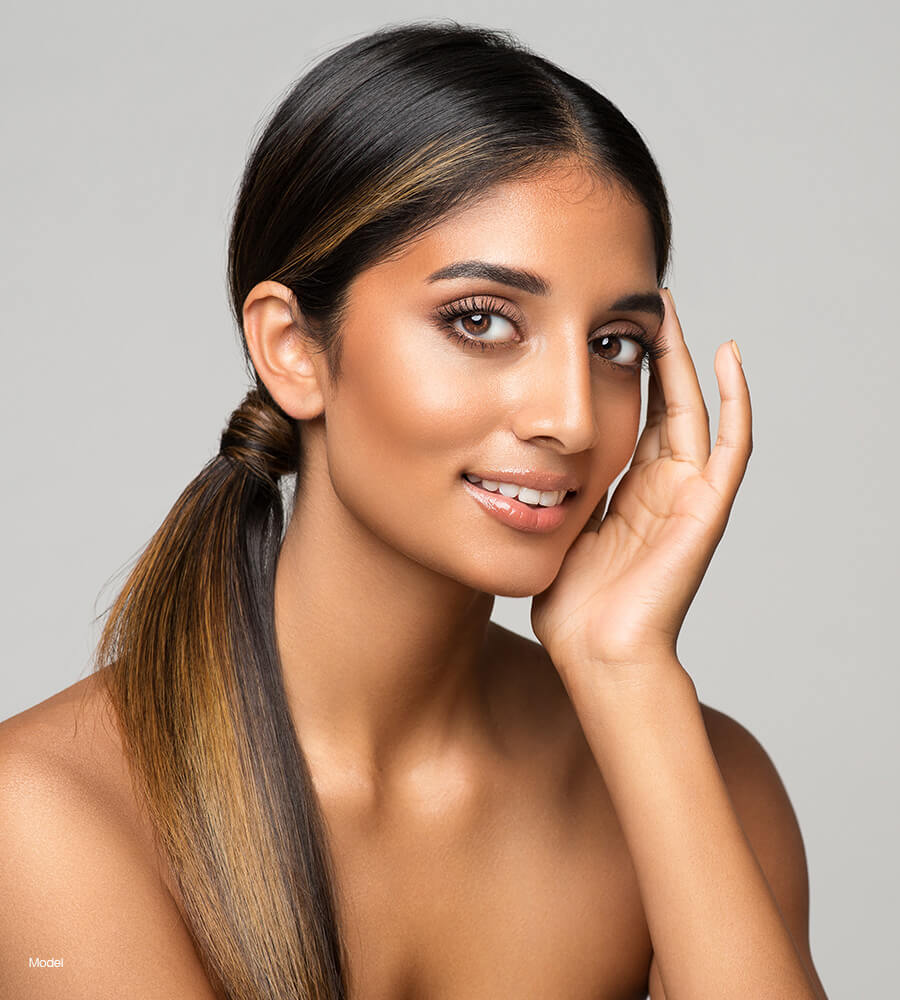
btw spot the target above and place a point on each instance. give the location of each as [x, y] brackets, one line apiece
[508, 819]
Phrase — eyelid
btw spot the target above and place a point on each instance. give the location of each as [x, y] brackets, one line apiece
[485, 303]
[635, 330]
[448, 314]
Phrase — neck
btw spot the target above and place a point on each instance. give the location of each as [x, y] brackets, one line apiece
[383, 658]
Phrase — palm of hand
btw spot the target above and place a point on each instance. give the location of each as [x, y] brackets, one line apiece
[623, 591]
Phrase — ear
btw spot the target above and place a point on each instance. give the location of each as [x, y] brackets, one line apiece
[284, 358]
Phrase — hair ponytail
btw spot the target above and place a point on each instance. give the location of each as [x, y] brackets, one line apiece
[194, 675]
[377, 142]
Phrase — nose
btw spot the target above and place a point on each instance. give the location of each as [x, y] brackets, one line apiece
[556, 402]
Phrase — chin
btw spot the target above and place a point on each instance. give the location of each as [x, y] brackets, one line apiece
[518, 577]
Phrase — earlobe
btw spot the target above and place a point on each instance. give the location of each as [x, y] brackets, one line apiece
[281, 352]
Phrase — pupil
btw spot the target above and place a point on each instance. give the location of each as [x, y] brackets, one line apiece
[604, 341]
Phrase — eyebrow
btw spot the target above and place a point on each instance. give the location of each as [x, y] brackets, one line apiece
[528, 281]
[514, 276]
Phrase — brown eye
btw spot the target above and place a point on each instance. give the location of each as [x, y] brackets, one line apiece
[619, 349]
[482, 322]
[476, 323]
[483, 327]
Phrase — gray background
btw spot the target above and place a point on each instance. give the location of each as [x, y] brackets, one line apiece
[124, 133]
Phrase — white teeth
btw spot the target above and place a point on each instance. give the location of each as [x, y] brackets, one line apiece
[527, 495]
[545, 498]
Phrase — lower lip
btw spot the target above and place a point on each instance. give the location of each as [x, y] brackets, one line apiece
[517, 514]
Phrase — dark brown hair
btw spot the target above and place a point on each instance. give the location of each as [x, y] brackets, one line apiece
[373, 145]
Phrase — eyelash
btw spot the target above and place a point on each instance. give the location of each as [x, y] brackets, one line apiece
[496, 307]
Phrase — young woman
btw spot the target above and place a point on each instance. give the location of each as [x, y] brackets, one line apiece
[308, 764]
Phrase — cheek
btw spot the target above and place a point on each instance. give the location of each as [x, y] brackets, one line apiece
[619, 418]
[399, 418]
[628, 423]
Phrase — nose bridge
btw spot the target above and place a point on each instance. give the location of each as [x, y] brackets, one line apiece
[557, 400]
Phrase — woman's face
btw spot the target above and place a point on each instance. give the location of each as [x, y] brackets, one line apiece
[536, 377]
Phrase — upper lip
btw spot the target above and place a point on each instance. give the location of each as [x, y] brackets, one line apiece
[531, 478]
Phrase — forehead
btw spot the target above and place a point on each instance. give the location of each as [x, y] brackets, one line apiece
[565, 223]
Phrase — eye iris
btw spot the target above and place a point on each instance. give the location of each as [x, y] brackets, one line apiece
[480, 320]
[602, 341]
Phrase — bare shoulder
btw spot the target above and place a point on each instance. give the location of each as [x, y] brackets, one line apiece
[66, 751]
[58, 750]
[54, 728]
[87, 910]
[767, 816]
[763, 807]
[754, 784]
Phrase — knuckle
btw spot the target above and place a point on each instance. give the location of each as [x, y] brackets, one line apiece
[677, 409]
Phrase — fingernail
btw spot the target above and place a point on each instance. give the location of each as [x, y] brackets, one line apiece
[671, 296]
[737, 352]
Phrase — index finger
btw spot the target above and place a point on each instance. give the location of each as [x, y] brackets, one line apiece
[686, 417]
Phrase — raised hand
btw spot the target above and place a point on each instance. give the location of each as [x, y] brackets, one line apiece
[627, 581]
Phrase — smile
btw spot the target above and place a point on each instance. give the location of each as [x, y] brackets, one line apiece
[524, 494]
[539, 517]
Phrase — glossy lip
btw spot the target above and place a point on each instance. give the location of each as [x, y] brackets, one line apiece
[515, 513]
[532, 478]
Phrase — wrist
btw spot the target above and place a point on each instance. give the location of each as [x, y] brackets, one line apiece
[649, 680]
[640, 669]
[626, 713]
